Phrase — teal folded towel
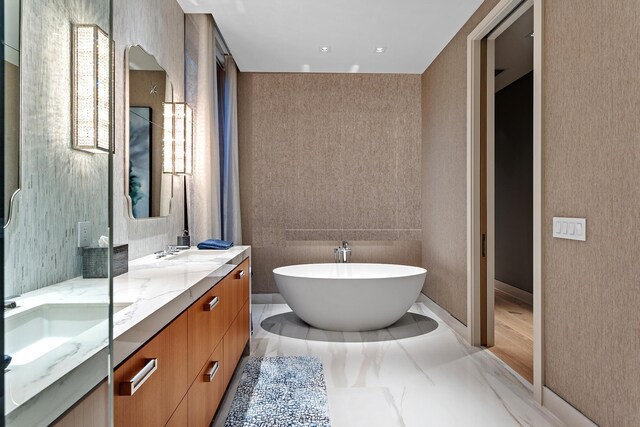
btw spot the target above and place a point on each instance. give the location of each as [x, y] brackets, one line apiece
[215, 244]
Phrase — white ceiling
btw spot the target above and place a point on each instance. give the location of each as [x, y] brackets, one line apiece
[285, 35]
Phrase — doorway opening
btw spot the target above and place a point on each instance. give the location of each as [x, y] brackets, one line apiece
[504, 186]
[509, 59]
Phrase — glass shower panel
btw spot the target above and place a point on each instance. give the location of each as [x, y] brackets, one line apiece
[56, 288]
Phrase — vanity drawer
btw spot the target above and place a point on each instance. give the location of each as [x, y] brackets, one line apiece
[234, 342]
[149, 386]
[244, 330]
[207, 390]
[235, 284]
[239, 283]
[206, 326]
[244, 292]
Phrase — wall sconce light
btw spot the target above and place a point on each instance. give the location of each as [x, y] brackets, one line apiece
[90, 93]
[177, 143]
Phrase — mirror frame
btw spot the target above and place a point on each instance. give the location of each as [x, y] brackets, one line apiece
[126, 136]
[12, 199]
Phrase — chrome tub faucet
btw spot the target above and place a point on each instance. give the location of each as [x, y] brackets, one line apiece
[342, 254]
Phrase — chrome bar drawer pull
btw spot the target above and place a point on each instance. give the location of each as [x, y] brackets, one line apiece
[209, 376]
[241, 274]
[212, 304]
[130, 387]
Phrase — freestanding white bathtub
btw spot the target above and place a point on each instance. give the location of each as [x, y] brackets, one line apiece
[350, 297]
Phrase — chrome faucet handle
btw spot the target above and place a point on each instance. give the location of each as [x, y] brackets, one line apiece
[345, 244]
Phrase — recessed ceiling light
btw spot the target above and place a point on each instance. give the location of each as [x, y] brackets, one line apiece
[380, 49]
[325, 49]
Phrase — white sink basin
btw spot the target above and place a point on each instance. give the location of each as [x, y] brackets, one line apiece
[31, 333]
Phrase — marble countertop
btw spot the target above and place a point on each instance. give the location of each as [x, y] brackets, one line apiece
[148, 297]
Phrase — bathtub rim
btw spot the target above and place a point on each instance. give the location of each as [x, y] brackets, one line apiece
[411, 271]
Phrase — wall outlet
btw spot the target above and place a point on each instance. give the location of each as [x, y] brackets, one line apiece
[570, 228]
[84, 234]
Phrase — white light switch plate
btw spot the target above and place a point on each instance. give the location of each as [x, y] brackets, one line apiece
[570, 228]
[84, 234]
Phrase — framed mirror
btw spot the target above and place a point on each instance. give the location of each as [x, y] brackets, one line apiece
[11, 146]
[148, 190]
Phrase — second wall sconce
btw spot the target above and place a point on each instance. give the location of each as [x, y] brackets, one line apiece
[90, 89]
[177, 142]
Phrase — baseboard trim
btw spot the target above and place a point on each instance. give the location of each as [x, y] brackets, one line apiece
[267, 299]
[458, 327]
[563, 410]
[517, 293]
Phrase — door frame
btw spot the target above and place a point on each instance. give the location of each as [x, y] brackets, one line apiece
[490, 164]
[496, 18]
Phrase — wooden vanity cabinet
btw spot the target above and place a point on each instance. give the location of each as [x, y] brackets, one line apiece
[240, 285]
[207, 390]
[180, 417]
[237, 288]
[195, 358]
[160, 374]
[238, 333]
[206, 326]
[234, 342]
[90, 411]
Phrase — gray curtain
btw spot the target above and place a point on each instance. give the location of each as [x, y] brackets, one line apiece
[231, 227]
[205, 216]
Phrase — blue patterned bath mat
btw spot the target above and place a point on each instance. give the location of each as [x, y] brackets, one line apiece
[280, 392]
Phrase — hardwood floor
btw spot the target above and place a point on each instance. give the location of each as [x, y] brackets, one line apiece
[514, 334]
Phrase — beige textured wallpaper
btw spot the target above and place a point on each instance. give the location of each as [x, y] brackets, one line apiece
[444, 172]
[592, 170]
[325, 157]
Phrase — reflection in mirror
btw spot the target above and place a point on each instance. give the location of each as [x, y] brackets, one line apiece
[11, 104]
[149, 191]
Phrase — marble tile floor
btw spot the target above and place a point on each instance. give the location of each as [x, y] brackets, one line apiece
[407, 375]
